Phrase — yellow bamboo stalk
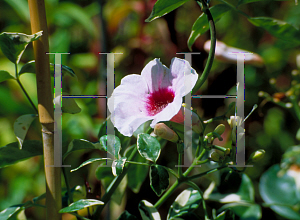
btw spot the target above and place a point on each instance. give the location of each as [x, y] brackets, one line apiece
[45, 108]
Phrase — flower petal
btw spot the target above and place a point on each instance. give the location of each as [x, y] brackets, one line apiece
[156, 75]
[184, 76]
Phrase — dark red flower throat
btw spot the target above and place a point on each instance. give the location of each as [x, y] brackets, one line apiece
[158, 100]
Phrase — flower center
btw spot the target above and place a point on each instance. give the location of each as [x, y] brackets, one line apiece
[158, 100]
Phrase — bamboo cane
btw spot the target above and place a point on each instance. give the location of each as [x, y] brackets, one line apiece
[45, 108]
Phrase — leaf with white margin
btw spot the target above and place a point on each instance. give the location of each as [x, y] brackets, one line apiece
[21, 127]
[89, 161]
[112, 144]
[117, 166]
[148, 211]
[81, 204]
[148, 147]
[185, 202]
[14, 44]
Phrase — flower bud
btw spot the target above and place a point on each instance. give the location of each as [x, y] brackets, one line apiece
[257, 155]
[215, 156]
[220, 129]
[165, 132]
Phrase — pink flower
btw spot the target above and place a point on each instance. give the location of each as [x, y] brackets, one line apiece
[155, 95]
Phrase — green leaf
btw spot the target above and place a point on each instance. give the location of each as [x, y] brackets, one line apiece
[81, 204]
[29, 67]
[4, 75]
[103, 173]
[11, 212]
[118, 165]
[241, 2]
[148, 147]
[185, 202]
[68, 104]
[14, 44]
[148, 211]
[81, 144]
[279, 188]
[127, 216]
[201, 24]
[89, 161]
[244, 210]
[163, 7]
[112, 144]
[11, 154]
[137, 173]
[159, 179]
[22, 125]
[277, 28]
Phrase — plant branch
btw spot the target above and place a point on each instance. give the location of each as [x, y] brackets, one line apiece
[211, 53]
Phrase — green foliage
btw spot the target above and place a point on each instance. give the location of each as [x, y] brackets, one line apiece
[148, 147]
[186, 202]
[127, 216]
[118, 165]
[159, 179]
[4, 75]
[148, 211]
[279, 29]
[201, 24]
[279, 188]
[81, 204]
[14, 44]
[163, 7]
[112, 144]
[11, 153]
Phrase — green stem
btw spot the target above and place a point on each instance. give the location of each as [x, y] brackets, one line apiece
[180, 150]
[296, 107]
[113, 186]
[211, 53]
[23, 89]
[205, 173]
[195, 162]
[70, 196]
[167, 194]
[194, 185]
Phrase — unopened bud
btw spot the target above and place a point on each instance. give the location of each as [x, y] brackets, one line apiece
[220, 129]
[215, 156]
[257, 155]
[165, 132]
[234, 121]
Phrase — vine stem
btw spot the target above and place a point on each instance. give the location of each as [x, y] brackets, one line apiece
[45, 108]
[211, 53]
[113, 186]
[23, 89]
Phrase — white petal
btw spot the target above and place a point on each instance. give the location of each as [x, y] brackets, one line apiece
[157, 75]
[184, 76]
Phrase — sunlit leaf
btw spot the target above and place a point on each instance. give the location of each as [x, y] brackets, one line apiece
[117, 166]
[22, 125]
[201, 24]
[81, 204]
[163, 7]
[11, 212]
[82, 144]
[148, 147]
[159, 179]
[112, 144]
[69, 104]
[185, 202]
[277, 28]
[148, 211]
[14, 44]
[4, 75]
[89, 161]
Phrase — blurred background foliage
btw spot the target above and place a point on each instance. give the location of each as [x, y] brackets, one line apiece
[85, 28]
